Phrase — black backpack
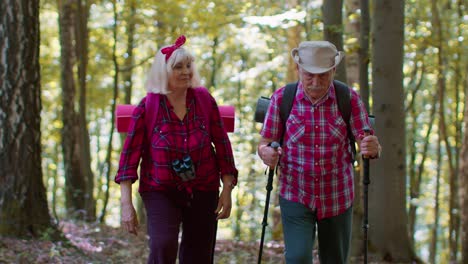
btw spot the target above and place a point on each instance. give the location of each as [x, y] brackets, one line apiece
[343, 98]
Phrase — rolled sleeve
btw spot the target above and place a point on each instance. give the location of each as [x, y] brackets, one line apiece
[133, 147]
[359, 120]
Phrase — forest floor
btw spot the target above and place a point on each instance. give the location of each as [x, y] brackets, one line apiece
[98, 244]
[91, 243]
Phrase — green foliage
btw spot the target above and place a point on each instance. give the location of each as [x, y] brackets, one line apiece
[241, 57]
[427, 59]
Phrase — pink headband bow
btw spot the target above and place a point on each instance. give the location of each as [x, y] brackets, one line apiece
[169, 50]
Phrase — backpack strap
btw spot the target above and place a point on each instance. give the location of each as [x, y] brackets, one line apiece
[343, 98]
[203, 97]
[289, 93]
[151, 111]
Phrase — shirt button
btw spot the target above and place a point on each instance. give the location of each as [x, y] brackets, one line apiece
[316, 146]
[316, 126]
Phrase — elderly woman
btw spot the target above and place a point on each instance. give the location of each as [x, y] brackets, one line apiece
[177, 133]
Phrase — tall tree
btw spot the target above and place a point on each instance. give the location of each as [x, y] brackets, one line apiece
[464, 184]
[129, 60]
[352, 28]
[463, 158]
[113, 106]
[435, 226]
[356, 24]
[364, 56]
[23, 203]
[75, 139]
[388, 185]
[441, 71]
[81, 47]
[333, 30]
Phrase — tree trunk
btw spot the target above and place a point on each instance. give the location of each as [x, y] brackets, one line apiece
[127, 80]
[82, 39]
[237, 216]
[113, 107]
[463, 170]
[453, 180]
[463, 159]
[23, 202]
[129, 60]
[214, 63]
[352, 25]
[416, 175]
[294, 38]
[416, 171]
[435, 226]
[388, 175]
[353, 28]
[333, 31]
[364, 56]
[75, 183]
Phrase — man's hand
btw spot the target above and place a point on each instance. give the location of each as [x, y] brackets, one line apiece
[370, 147]
[269, 155]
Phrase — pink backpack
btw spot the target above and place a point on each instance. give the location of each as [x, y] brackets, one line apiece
[124, 112]
[152, 103]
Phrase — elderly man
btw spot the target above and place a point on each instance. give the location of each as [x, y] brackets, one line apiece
[316, 179]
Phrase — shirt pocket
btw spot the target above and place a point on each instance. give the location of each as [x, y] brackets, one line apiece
[199, 137]
[163, 151]
[336, 130]
[201, 128]
[295, 129]
[163, 138]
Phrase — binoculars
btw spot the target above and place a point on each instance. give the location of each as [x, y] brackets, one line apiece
[184, 168]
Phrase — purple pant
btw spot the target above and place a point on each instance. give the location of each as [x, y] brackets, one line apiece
[166, 211]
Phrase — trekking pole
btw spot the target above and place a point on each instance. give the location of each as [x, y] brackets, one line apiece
[269, 187]
[365, 182]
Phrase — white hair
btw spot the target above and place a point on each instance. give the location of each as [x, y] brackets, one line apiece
[157, 80]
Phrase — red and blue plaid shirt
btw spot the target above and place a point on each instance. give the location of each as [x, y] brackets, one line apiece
[172, 139]
[316, 168]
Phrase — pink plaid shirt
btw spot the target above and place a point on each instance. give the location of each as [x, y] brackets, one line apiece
[316, 167]
[172, 139]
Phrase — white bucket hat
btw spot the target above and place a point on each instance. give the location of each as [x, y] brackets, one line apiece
[317, 56]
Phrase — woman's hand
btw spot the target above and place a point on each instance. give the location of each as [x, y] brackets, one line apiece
[224, 203]
[129, 218]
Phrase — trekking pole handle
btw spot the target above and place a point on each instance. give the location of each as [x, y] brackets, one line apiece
[365, 160]
[275, 145]
[366, 133]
